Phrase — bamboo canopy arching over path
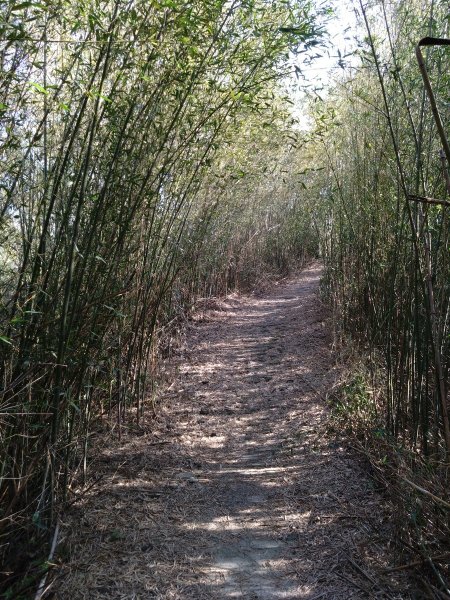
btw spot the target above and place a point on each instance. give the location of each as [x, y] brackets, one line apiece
[158, 155]
[238, 491]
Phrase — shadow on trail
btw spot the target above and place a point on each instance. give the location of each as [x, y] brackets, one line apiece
[243, 495]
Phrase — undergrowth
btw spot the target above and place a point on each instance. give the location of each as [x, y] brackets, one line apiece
[413, 485]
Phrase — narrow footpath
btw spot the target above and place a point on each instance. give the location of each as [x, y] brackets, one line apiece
[236, 490]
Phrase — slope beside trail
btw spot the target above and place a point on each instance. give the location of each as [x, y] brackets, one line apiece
[236, 490]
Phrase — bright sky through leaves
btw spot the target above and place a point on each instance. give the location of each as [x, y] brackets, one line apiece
[320, 69]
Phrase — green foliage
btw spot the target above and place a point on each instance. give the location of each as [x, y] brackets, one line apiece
[118, 125]
[355, 398]
[387, 268]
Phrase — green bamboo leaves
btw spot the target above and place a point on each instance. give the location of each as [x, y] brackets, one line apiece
[386, 242]
[114, 113]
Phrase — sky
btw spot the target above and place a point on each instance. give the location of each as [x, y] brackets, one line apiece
[335, 59]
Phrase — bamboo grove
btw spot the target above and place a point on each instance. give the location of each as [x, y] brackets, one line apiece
[149, 158]
[111, 116]
[384, 212]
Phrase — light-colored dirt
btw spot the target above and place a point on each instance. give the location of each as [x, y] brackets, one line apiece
[237, 492]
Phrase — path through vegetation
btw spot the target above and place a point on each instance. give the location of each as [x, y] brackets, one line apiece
[237, 491]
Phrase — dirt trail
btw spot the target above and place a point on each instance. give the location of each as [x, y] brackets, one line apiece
[239, 493]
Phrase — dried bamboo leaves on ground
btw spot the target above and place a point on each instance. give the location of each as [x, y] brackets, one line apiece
[237, 491]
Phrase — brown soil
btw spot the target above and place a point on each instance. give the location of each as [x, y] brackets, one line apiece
[237, 491]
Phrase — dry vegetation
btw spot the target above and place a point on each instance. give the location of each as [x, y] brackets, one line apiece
[151, 162]
[237, 490]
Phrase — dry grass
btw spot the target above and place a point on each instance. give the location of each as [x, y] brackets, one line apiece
[236, 489]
